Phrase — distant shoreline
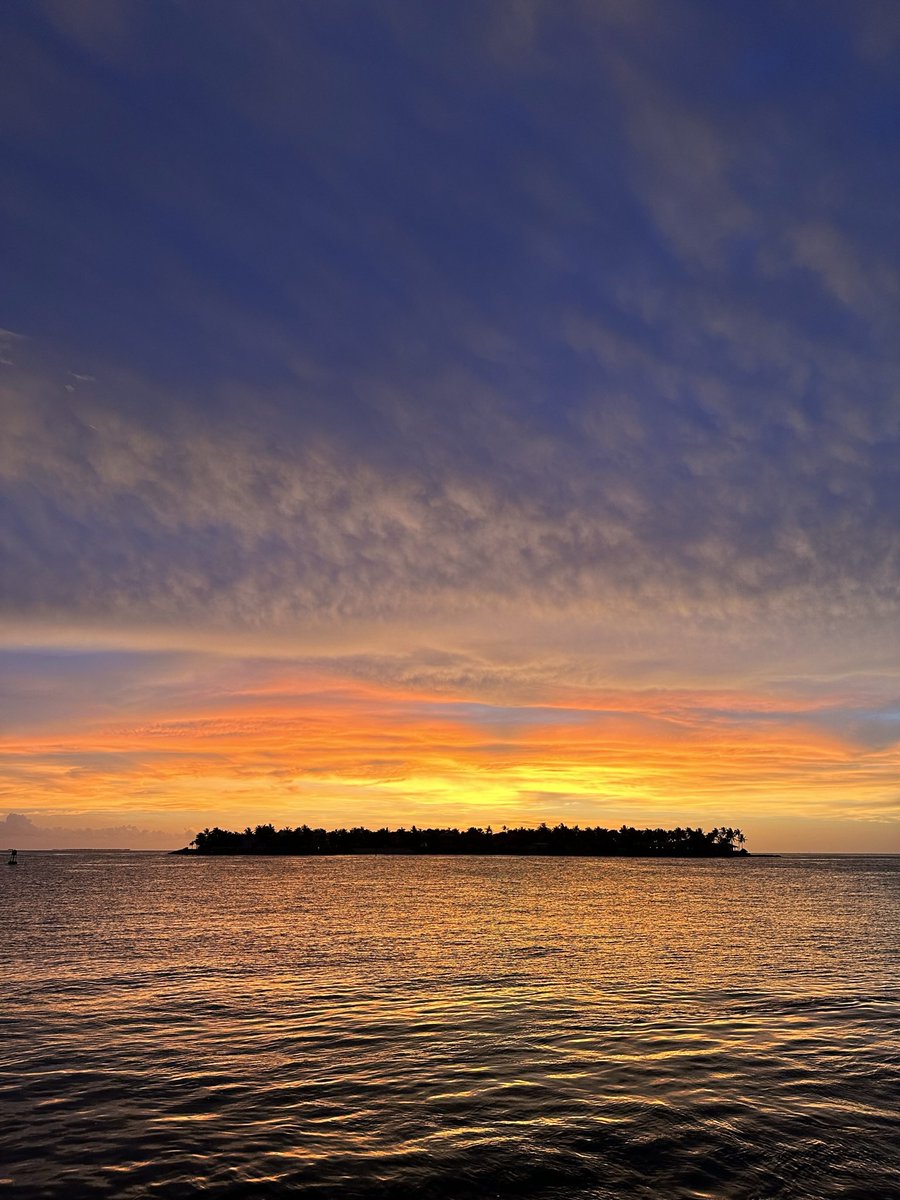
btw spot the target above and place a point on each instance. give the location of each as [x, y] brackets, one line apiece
[187, 852]
[559, 841]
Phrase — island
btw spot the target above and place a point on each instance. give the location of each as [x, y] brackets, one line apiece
[562, 840]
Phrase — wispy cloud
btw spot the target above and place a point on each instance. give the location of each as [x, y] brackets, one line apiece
[509, 356]
[705, 513]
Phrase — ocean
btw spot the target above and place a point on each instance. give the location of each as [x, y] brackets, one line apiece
[450, 1027]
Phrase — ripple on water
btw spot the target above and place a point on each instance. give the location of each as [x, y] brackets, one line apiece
[452, 1028]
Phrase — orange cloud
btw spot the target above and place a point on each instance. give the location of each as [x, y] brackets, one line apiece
[339, 752]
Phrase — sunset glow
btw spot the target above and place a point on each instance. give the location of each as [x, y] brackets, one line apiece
[203, 748]
[498, 426]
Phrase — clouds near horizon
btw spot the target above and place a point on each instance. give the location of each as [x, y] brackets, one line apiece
[20, 831]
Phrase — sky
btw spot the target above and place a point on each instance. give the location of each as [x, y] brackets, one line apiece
[450, 414]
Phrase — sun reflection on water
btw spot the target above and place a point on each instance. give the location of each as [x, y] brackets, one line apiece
[383, 1026]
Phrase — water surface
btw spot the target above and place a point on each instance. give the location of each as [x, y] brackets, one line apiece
[451, 1027]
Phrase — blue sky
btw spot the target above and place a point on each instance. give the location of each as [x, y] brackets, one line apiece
[498, 351]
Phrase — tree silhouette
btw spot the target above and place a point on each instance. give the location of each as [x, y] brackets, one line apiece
[562, 839]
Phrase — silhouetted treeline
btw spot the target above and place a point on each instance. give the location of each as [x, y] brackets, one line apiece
[558, 839]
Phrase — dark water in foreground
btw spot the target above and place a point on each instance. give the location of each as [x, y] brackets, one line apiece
[450, 1027]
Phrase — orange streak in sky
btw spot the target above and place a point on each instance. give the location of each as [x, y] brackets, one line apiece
[344, 748]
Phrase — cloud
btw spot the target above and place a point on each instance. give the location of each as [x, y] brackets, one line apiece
[206, 739]
[8, 339]
[21, 831]
[670, 392]
[509, 355]
[727, 509]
